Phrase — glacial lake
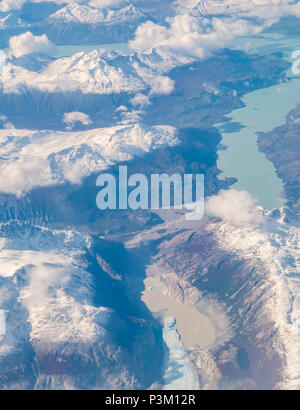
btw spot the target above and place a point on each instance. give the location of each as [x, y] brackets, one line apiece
[264, 110]
[195, 329]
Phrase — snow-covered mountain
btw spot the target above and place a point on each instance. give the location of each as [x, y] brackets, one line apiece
[96, 72]
[86, 14]
[91, 23]
[74, 22]
[86, 82]
[62, 331]
[42, 158]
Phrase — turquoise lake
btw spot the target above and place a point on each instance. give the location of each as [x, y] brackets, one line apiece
[264, 110]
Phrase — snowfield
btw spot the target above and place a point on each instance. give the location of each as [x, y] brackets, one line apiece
[86, 14]
[97, 72]
[39, 158]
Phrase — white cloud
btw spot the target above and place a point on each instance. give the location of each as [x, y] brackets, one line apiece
[73, 173]
[235, 207]
[192, 36]
[161, 85]
[6, 124]
[70, 118]
[27, 43]
[121, 108]
[43, 277]
[131, 117]
[148, 35]
[200, 27]
[7, 5]
[18, 177]
[140, 100]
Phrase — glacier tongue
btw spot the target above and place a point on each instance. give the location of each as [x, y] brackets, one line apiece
[185, 378]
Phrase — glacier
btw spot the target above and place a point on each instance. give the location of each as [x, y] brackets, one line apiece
[180, 373]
